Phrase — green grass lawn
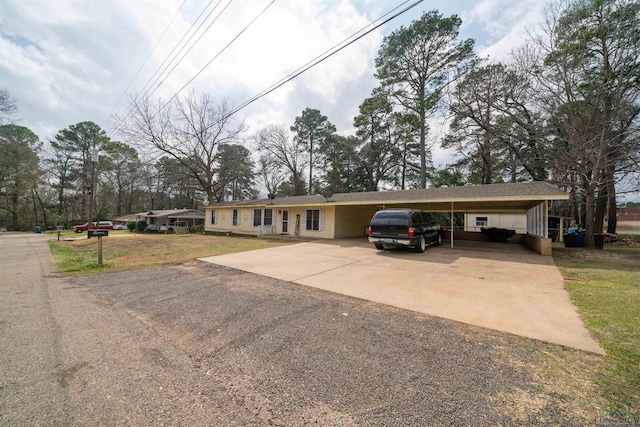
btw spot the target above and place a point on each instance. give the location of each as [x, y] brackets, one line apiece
[605, 285]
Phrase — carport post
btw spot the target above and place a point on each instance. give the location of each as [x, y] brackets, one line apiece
[451, 230]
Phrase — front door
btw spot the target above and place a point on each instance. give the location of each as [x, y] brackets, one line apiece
[285, 221]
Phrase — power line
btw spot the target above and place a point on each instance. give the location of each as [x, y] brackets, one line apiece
[318, 59]
[147, 58]
[310, 64]
[219, 53]
[158, 74]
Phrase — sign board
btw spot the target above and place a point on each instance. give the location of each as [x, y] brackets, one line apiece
[97, 233]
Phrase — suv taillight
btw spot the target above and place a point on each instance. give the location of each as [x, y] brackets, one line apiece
[369, 231]
[411, 232]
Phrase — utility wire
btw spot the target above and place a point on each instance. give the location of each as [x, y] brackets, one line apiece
[158, 74]
[320, 58]
[310, 64]
[218, 54]
[167, 74]
[147, 58]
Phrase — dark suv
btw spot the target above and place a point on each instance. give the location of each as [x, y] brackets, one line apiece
[404, 227]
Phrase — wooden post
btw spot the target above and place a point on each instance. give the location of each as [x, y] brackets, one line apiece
[99, 250]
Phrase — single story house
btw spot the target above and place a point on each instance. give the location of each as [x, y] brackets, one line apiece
[333, 216]
[168, 220]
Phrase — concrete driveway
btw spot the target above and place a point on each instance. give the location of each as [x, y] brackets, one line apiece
[505, 287]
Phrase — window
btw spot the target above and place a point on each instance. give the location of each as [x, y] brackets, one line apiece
[214, 217]
[235, 217]
[314, 220]
[268, 216]
[262, 217]
[257, 217]
[482, 221]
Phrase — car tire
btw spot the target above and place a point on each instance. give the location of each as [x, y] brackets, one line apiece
[439, 239]
[379, 246]
[421, 246]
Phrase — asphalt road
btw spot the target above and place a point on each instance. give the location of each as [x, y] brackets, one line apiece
[200, 344]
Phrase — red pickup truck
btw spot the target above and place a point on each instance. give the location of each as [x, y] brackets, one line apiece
[104, 225]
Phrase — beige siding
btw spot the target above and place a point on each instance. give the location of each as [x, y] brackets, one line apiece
[510, 220]
[328, 216]
[224, 215]
[353, 221]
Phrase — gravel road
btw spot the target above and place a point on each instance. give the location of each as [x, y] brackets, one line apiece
[200, 344]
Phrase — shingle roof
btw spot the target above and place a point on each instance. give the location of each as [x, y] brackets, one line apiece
[172, 213]
[537, 190]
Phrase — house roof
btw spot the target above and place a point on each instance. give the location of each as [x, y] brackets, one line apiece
[172, 213]
[519, 195]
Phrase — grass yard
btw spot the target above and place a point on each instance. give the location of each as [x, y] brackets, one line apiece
[123, 251]
[605, 286]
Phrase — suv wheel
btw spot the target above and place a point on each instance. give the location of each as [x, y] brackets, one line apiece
[420, 247]
[379, 246]
[439, 239]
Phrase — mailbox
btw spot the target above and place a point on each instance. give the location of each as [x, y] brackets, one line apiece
[97, 233]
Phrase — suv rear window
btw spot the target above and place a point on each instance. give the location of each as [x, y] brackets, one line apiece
[383, 218]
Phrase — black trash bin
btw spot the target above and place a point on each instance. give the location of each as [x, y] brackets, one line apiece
[598, 241]
[570, 240]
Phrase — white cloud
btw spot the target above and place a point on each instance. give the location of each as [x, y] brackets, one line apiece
[68, 61]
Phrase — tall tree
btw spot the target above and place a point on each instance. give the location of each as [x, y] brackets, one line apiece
[278, 149]
[123, 172]
[189, 129]
[71, 160]
[339, 154]
[19, 174]
[311, 128]
[236, 172]
[419, 62]
[380, 154]
[592, 74]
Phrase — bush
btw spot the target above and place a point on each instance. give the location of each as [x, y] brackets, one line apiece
[141, 225]
[131, 225]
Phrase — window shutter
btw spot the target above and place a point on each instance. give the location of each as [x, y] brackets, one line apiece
[239, 216]
[321, 221]
[253, 216]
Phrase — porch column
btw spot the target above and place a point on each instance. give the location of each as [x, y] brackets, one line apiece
[451, 230]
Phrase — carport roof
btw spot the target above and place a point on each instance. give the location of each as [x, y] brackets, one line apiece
[519, 195]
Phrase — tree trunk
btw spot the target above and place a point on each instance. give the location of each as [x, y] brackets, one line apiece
[601, 205]
[590, 203]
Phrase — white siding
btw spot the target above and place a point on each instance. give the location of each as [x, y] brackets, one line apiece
[509, 220]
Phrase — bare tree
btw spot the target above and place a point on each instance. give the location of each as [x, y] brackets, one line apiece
[8, 107]
[189, 129]
[279, 150]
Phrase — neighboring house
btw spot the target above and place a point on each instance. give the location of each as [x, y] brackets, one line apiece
[628, 214]
[348, 214]
[170, 220]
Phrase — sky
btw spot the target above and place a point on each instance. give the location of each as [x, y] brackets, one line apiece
[68, 61]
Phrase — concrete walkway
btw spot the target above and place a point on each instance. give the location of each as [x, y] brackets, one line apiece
[499, 286]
